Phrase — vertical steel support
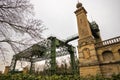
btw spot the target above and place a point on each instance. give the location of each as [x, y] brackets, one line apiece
[31, 66]
[72, 56]
[53, 55]
[13, 63]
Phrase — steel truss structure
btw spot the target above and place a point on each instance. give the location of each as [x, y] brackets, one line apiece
[49, 48]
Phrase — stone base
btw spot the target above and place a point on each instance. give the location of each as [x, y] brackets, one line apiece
[6, 69]
[110, 69]
[89, 71]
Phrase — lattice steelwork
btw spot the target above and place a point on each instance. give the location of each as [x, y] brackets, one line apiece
[49, 48]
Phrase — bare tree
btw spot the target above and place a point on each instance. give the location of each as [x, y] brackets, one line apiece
[16, 19]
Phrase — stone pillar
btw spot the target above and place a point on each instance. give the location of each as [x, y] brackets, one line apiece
[89, 64]
[0, 72]
[25, 70]
[6, 69]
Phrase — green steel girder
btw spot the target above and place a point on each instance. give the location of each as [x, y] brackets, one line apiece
[53, 55]
[13, 64]
[72, 56]
[57, 43]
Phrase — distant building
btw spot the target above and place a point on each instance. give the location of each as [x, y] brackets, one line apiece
[95, 56]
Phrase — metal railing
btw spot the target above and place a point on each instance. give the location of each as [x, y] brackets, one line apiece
[108, 42]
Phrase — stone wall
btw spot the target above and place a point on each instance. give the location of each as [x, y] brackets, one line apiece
[106, 64]
[109, 59]
[89, 70]
[109, 69]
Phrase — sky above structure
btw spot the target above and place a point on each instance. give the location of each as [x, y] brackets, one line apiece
[58, 16]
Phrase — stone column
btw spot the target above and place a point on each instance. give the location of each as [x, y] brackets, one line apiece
[6, 69]
[25, 70]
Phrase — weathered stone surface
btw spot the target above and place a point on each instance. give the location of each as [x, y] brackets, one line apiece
[96, 58]
[6, 69]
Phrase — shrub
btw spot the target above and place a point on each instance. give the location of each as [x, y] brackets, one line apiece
[19, 76]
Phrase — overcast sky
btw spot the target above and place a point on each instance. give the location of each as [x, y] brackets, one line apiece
[58, 16]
